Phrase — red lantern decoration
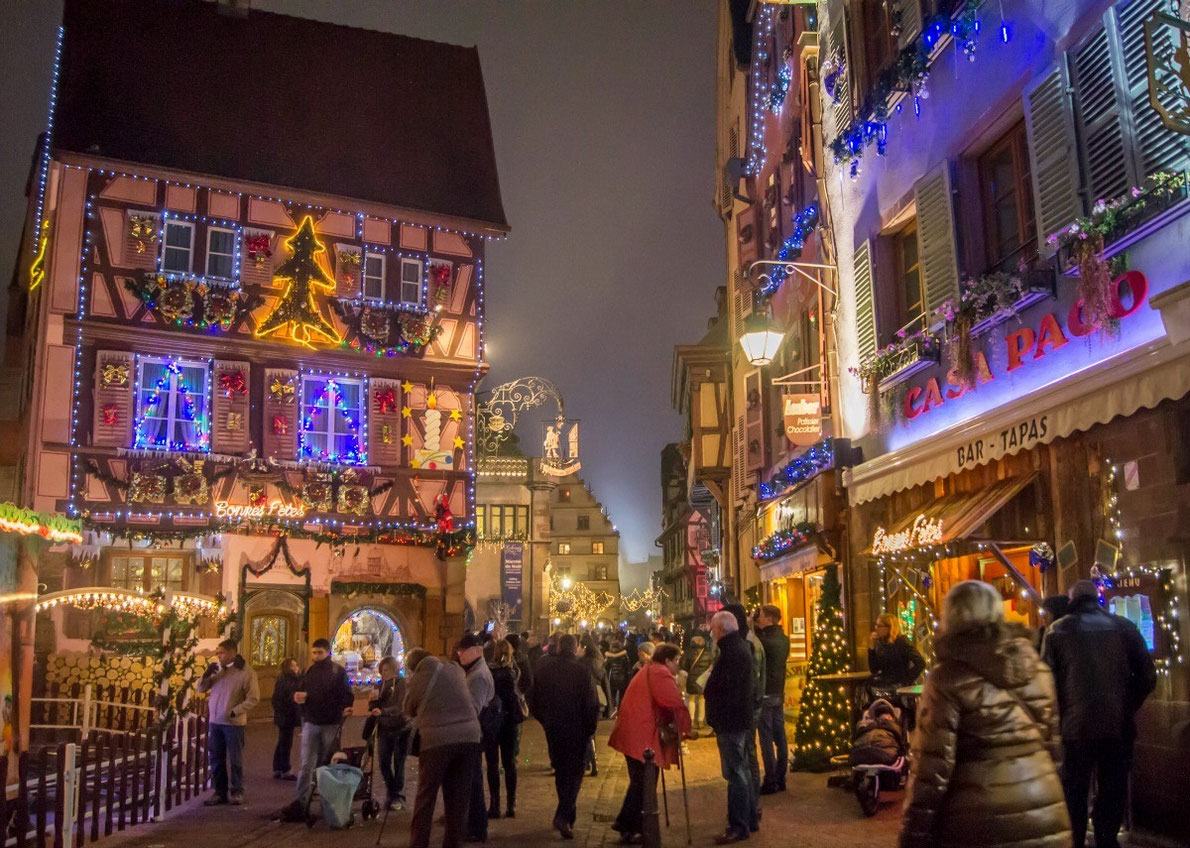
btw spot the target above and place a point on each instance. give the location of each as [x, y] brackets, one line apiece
[111, 415]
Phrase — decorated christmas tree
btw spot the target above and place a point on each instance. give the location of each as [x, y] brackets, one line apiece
[824, 722]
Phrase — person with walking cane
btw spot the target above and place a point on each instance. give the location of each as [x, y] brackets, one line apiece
[652, 715]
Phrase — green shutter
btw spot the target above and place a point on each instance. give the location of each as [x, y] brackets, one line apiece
[936, 238]
[865, 309]
[1101, 112]
[1155, 146]
[1049, 122]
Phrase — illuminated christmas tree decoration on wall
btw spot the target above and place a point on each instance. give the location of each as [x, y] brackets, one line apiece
[172, 405]
[296, 311]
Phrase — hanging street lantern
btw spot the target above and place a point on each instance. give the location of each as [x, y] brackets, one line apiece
[761, 339]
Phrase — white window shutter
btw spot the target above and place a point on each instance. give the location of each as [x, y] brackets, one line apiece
[1106, 155]
[936, 238]
[911, 18]
[1155, 146]
[865, 304]
[1049, 123]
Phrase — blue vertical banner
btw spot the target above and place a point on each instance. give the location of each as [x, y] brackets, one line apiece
[512, 569]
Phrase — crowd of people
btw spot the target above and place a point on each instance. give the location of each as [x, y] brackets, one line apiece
[1007, 740]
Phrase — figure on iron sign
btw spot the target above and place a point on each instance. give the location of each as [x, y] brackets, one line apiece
[559, 447]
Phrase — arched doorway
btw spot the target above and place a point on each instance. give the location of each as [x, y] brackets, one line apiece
[365, 637]
[273, 621]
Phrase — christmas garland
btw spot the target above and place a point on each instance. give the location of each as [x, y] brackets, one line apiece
[26, 522]
[381, 331]
[908, 73]
[178, 301]
[817, 457]
[352, 588]
[783, 541]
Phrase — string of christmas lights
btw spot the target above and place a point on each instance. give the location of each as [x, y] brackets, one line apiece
[320, 431]
[801, 468]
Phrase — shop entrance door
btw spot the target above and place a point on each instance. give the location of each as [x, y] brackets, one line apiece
[272, 632]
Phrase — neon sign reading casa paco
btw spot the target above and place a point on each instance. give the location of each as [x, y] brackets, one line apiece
[924, 533]
[1028, 344]
[273, 509]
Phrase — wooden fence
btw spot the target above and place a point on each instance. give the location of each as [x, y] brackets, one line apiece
[73, 793]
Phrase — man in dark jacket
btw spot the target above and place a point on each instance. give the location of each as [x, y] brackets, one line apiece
[1103, 673]
[730, 703]
[565, 702]
[774, 748]
[325, 697]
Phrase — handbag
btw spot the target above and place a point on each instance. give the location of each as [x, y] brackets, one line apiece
[667, 731]
[415, 739]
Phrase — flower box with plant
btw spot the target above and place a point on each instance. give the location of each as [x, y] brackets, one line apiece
[782, 541]
[985, 303]
[1088, 243]
[898, 361]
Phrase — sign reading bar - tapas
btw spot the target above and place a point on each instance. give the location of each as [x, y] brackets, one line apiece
[275, 508]
[803, 419]
[924, 533]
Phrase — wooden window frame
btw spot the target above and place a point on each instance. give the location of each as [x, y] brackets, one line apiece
[597, 548]
[330, 431]
[564, 548]
[231, 257]
[898, 238]
[380, 279]
[402, 282]
[1015, 140]
[166, 247]
[107, 565]
[583, 522]
[171, 419]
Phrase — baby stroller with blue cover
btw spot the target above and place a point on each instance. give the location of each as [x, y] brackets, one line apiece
[879, 756]
[346, 780]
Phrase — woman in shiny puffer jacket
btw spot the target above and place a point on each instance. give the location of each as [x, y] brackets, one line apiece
[984, 753]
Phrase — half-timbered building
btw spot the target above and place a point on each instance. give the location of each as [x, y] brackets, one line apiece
[253, 307]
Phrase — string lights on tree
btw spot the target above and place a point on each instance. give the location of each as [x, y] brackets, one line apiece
[824, 722]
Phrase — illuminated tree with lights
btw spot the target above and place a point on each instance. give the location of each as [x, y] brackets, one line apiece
[302, 277]
[823, 724]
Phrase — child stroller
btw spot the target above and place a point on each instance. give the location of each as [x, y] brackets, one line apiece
[347, 779]
[879, 756]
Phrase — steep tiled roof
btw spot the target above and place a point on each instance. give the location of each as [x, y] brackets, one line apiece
[280, 100]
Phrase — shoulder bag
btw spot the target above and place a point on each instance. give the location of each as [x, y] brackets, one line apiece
[667, 731]
[415, 740]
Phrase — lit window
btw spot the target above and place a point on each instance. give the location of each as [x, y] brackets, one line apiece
[564, 495]
[481, 524]
[332, 426]
[411, 281]
[221, 250]
[179, 244]
[147, 573]
[564, 547]
[172, 405]
[597, 547]
[374, 275]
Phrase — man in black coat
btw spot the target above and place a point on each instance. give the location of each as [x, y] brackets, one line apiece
[729, 705]
[774, 747]
[1103, 673]
[564, 700]
[325, 697]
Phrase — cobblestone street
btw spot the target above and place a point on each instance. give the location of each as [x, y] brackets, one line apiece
[808, 814]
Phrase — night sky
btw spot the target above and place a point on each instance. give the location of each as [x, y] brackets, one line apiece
[603, 113]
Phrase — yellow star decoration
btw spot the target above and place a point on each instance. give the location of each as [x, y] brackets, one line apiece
[456, 415]
[406, 387]
[406, 412]
[459, 443]
[431, 401]
[407, 440]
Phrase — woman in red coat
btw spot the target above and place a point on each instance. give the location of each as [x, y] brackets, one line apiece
[652, 698]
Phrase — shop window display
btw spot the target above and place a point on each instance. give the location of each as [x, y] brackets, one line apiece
[365, 638]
